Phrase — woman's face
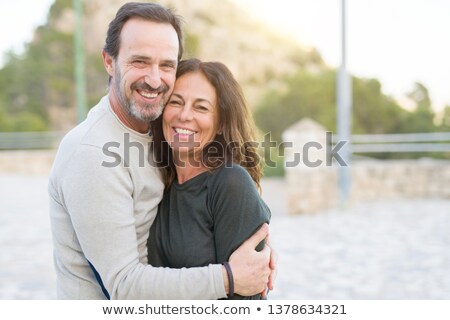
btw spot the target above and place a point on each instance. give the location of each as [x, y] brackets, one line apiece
[190, 119]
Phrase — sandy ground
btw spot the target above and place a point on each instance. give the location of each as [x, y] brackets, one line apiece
[379, 250]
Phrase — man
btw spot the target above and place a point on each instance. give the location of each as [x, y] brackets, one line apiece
[104, 194]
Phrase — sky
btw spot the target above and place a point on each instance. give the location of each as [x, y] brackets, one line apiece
[398, 42]
[18, 19]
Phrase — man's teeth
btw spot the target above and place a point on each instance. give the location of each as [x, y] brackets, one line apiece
[183, 131]
[149, 94]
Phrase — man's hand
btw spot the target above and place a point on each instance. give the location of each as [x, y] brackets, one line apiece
[251, 269]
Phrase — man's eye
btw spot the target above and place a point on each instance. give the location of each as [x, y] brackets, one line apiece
[168, 66]
[139, 63]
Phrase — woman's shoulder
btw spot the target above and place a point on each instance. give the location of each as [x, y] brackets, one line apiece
[230, 178]
[231, 172]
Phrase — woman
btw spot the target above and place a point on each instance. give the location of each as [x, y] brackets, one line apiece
[211, 171]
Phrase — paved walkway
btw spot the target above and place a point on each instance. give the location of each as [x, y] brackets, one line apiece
[381, 250]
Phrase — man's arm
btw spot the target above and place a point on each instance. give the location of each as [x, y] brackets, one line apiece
[112, 238]
[101, 208]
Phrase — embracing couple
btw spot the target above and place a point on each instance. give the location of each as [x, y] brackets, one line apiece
[189, 223]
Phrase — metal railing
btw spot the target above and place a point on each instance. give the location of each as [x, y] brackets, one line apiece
[405, 142]
[30, 140]
[360, 143]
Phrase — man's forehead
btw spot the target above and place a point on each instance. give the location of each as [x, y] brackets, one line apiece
[147, 38]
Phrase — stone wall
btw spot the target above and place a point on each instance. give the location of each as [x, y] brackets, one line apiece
[30, 162]
[401, 178]
[316, 189]
[312, 188]
[309, 189]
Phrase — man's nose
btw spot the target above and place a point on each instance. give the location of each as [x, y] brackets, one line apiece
[153, 77]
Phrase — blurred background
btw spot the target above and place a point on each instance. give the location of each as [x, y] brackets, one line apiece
[376, 229]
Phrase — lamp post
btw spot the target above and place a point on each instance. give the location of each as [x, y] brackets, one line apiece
[344, 106]
[80, 82]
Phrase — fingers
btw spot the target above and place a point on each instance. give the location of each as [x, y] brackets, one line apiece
[266, 254]
[272, 278]
[273, 259]
[264, 293]
[258, 236]
[272, 264]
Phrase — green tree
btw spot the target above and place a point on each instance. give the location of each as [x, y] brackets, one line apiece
[373, 112]
[445, 124]
[39, 78]
[313, 95]
[306, 95]
[422, 118]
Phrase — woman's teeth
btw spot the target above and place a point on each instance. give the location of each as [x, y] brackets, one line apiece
[183, 131]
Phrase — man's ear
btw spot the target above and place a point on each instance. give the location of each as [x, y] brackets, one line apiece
[108, 62]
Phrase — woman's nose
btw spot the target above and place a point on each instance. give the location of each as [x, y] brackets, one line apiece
[185, 113]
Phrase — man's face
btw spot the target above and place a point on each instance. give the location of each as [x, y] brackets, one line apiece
[143, 74]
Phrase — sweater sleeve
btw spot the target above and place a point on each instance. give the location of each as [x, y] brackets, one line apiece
[237, 209]
[100, 202]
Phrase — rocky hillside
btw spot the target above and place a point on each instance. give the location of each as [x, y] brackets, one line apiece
[215, 30]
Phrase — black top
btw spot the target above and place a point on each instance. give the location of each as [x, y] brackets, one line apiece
[203, 220]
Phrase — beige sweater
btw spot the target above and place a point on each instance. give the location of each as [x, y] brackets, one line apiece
[104, 194]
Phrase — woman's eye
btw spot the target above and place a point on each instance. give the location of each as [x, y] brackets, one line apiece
[202, 108]
[176, 102]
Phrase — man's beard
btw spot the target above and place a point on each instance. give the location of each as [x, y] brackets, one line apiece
[141, 114]
[130, 105]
